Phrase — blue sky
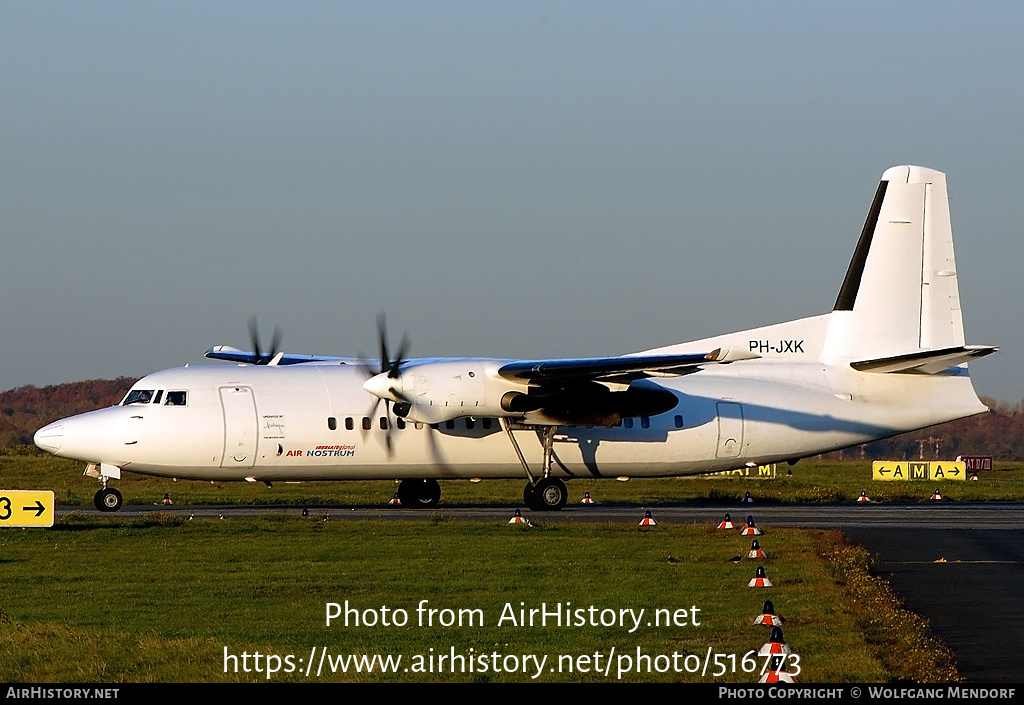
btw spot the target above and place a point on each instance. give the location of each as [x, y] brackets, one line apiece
[503, 179]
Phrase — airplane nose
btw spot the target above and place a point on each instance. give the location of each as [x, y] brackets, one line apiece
[49, 438]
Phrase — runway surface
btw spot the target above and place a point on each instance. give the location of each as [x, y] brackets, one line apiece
[959, 565]
[968, 582]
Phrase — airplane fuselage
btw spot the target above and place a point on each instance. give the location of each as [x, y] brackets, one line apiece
[309, 422]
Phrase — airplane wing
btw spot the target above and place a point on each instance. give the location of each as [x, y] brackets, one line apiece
[624, 367]
[226, 352]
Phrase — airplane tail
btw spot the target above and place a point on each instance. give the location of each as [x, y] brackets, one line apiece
[899, 306]
[898, 309]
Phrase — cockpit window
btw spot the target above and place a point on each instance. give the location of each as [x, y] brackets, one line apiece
[138, 396]
[176, 399]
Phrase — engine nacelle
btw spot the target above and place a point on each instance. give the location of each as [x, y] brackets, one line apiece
[432, 392]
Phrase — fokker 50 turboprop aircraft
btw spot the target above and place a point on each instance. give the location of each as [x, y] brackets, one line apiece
[890, 357]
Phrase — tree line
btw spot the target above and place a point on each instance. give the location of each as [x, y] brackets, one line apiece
[25, 410]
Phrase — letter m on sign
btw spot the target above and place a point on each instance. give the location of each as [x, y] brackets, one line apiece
[918, 471]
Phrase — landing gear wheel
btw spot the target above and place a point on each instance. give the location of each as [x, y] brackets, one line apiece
[424, 494]
[529, 498]
[107, 500]
[548, 495]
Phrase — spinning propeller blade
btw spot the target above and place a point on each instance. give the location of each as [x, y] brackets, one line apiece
[259, 357]
[393, 368]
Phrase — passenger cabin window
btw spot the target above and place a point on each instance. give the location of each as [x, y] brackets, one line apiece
[349, 424]
[332, 423]
[138, 396]
[176, 399]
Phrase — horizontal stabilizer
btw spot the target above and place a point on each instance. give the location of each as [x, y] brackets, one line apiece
[925, 362]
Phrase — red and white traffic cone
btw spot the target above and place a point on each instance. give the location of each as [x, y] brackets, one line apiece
[751, 528]
[775, 645]
[759, 579]
[768, 617]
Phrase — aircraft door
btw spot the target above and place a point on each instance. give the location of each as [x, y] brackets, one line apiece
[240, 427]
[730, 429]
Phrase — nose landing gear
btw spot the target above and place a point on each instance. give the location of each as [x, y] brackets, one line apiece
[108, 499]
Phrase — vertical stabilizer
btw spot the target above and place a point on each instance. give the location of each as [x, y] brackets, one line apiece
[900, 294]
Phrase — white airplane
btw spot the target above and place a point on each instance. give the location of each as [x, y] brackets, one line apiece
[889, 358]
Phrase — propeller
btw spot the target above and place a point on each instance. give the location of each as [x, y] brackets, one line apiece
[258, 357]
[435, 449]
[387, 364]
[382, 390]
[392, 368]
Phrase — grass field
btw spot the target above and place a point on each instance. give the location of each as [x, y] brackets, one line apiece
[165, 599]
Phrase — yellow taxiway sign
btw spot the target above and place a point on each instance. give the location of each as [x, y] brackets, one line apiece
[26, 508]
[923, 470]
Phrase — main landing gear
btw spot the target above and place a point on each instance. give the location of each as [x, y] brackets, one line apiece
[107, 499]
[423, 494]
[544, 494]
[548, 494]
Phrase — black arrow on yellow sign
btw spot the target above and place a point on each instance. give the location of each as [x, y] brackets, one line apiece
[38, 509]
